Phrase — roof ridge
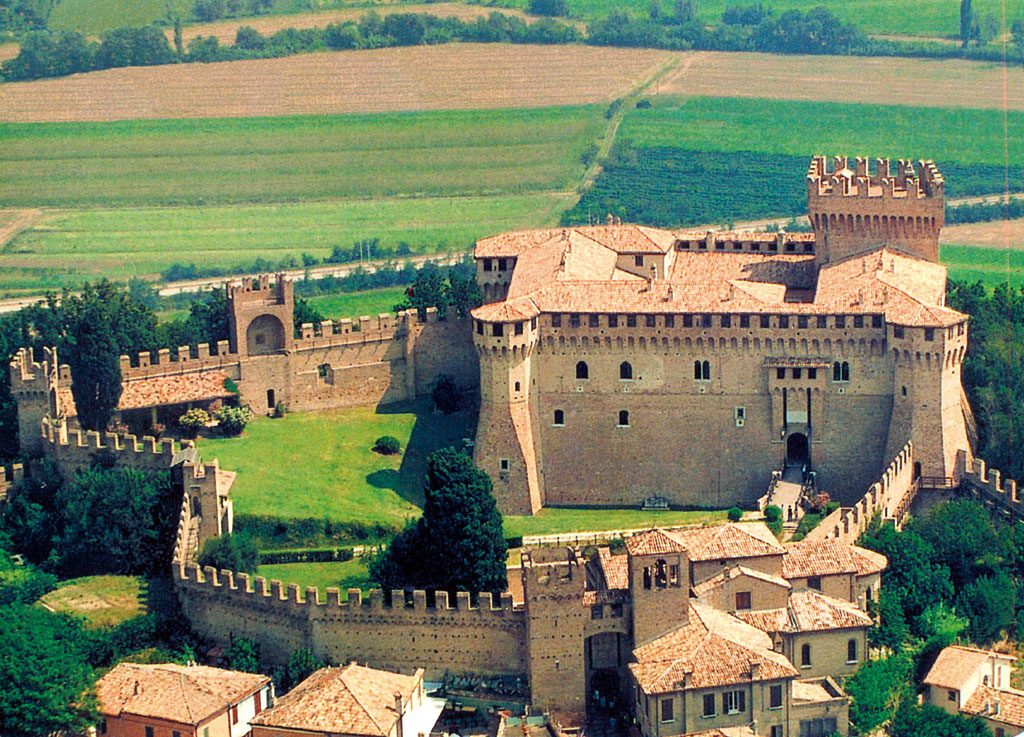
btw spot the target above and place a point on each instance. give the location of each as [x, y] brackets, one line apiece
[385, 729]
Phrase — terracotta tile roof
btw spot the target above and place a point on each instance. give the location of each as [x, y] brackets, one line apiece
[352, 699]
[956, 664]
[177, 693]
[743, 731]
[710, 649]
[615, 567]
[155, 391]
[508, 311]
[818, 558]
[811, 691]
[749, 540]
[735, 571]
[653, 542]
[997, 704]
[868, 561]
[808, 611]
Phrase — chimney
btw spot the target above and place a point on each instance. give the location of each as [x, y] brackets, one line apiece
[755, 671]
[671, 294]
[610, 220]
[687, 677]
[399, 730]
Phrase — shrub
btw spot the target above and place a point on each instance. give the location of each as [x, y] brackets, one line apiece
[387, 445]
[280, 410]
[193, 421]
[735, 514]
[446, 396]
[773, 513]
[230, 552]
[233, 420]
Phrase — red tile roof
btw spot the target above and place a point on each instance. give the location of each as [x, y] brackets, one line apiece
[997, 704]
[653, 542]
[818, 558]
[808, 611]
[956, 664]
[868, 561]
[615, 567]
[748, 540]
[155, 391]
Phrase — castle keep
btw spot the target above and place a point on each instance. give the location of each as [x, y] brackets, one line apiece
[691, 365]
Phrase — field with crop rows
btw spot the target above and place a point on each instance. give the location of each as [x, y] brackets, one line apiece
[446, 77]
[854, 79]
[990, 266]
[66, 247]
[295, 158]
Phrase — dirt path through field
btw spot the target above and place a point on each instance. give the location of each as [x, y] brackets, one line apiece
[13, 222]
[854, 79]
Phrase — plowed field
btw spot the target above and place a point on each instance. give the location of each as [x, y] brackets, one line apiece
[452, 76]
[877, 80]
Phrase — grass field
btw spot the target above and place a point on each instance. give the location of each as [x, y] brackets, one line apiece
[443, 77]
[67, 247]
[96, 16]
[798, 128]
[560, 520]
[350, 574]
[356, 304]
[101, 600]
[990, 266]
[295, 157]
[851, 79]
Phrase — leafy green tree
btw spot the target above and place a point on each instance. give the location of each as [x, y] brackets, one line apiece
[551, 7]
[120, 520]
[133, 47]
[232, 552]
[46, 683]
[428, 290]
[463, 291]
[458, 544]
[305, 312]
[30, 517]
[891, 631]
[445, 394]
[406, 29]
[878, 689]
[244, 655]
[964, 539]
[248, 38]
[301, 665]
[912, 720]
[966, 22]
[987, 602]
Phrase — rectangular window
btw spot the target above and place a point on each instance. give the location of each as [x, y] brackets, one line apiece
[734, 702]
[503, 464]
[858, 321]
[766, 321]
[709, 704]
[687, 321]
[673, 575]
[638, 259]
[840, 321]
[796, 373]
[556, 321]
[479, 328]
[783, 321]
[744, 321]
[616, 611]
[814, 582]
[487, 264]
[876, 321]
[801, 321]
[149, 732]
[960, 328]
[929, 333]
[594, 321]
[574, 320]
[630, 321]
[670, 321]
[822, 727]
[776, 731]
[952, 695]
[501, 264]
[519, 328]
[897, 331]
[175, 733]
[743, 600]
[613, 321]
[102, 729]
[705, 321]
[497, 329]
[726, 321]
[822, 321]
[812, 373]
[775, 697]
[651, 321]
[780, 373]
[597, 611]
[667, 712]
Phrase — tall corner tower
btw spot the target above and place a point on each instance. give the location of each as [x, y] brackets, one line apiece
[34, 388]
[659, 584]
[853, 210]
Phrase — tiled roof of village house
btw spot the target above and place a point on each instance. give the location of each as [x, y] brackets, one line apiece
[808, 611]
[155, 391]
[1010, 708]
[818, 558]
[616, 569]
[707, 648]
[749, 540]
[956, 664]
[742, 731]
[810, 691]
[868, 561]
[574, 270]
[653, 542]
[349, 700]
[177, 693]
[735, 571]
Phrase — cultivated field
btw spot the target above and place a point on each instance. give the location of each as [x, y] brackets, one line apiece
[996, 234]
[356, 304]
[447, 77]
[871, 80]
[67, 247]
[990, 266]
[295, 158]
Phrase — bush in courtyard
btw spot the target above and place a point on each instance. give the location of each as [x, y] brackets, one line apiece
[387, 445]
[280, 410]
[446, 396]
[193, 421]
[773, 513]
[233, 419]
[735, 514]
[230, 552]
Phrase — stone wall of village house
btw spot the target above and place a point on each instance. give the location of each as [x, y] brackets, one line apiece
[687, 709]
[761, 594]
[828, 652]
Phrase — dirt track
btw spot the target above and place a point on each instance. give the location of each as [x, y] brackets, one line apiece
[451, 76]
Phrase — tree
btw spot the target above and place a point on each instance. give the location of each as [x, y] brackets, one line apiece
[301, 665]
[406, 28]
[891, 630]
[964, 539]
[463, 291]
[244, 655]
[230, 552]
[458, 544]
[987, 602]
[549, 7]
[45, 679]
[878, 689]
[249, 38]
[912, 720]
[966, 22]
[304, 312]
[428, 290]
[94, 360]
[445, 394]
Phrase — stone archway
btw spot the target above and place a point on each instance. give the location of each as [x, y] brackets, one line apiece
[797, 450]
[265, 334]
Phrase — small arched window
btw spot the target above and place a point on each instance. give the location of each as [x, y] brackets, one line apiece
[559, 417]
[661, 574]
[517, 386]
[805, 655]
[625, 370]
[623, 418]
[705, 371]
[851, 651]
[837, 374]
[647, 577]
[846, 371]
[582, 372]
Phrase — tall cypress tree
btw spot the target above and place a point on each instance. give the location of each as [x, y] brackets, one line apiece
[95, 367]
[966, 22]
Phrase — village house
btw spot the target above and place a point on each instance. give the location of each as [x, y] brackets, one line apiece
[977, 682]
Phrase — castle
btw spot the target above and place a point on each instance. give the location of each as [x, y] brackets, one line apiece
[689, 366]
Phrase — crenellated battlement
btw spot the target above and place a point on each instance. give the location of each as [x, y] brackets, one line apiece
[905, 183]
[988, 486]
[73, 449]
[28, 376]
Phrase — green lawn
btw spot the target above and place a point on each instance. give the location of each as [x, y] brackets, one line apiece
[101, 600]
[807, 128]
[988, 265]
[319, 464]
[356, 304]
[96, 16]
[561, 520]
[290, 158]
[350, 574]
[69, 246]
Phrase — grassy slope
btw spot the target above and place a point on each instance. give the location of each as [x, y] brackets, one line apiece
[988, 265]
[350, 574]
[356, 304]
[806, 128]
[68, 246]
[236, 160]
[101, 600]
